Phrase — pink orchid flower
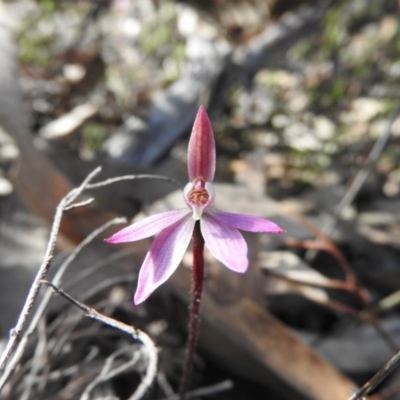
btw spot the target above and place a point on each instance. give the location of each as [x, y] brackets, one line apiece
[175, 228]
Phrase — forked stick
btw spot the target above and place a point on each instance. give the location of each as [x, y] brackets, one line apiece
[130, 330]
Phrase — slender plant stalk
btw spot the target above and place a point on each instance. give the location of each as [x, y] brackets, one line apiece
[198, 278]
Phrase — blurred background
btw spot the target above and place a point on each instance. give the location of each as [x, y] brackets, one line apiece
[304, 100]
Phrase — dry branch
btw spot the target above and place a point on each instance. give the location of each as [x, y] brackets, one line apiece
[135, 333]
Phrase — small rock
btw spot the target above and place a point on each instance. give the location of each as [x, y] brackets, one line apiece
[377, 128]
[387, 28]
[298, 102]
[255, 107]
[281, 78]
[324, 128]
[8, 152]
[280, 121]
[301, 137]
[394, 70]
[364, 109]
[396, 123]
[6, 187]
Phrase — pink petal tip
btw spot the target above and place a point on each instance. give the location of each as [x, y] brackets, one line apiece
[201, 151]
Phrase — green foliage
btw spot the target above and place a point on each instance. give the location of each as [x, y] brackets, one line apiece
[35, 48]
[92, 136]
[41, 35]
[49, 6]
[335, 31]
[159, 36]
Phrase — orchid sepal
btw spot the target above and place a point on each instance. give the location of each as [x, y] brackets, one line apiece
[201, 151]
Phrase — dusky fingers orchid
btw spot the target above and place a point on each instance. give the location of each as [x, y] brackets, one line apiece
[219, 229]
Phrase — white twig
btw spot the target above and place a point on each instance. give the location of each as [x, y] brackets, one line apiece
[132, 177]
[109, 259]
[18, 335]
[107, 373]
[80, 204]
[39, 358]
[61, 342]
[130, 330]
[382, 374]
[46, 298]
[16, 332]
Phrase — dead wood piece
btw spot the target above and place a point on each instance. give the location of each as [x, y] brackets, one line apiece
[249, 341]
[69, 122]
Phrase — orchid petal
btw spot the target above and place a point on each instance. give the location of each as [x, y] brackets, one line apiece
[201, 151]
[247, 222]
[163, 257]
[225, 243]
[147, 227]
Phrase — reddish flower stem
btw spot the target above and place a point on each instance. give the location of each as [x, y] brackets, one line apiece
[197, 288]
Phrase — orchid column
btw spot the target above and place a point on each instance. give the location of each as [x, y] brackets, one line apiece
[217, 229]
